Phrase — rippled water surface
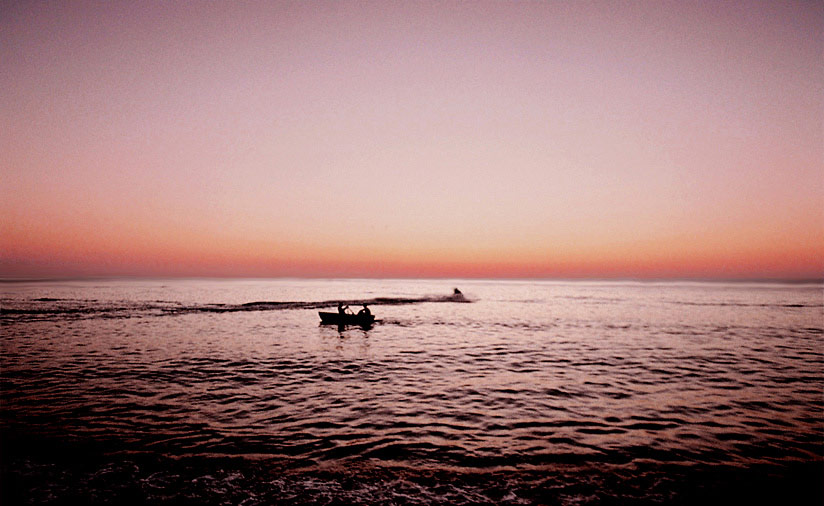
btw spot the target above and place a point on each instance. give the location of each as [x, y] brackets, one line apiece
[229, 391]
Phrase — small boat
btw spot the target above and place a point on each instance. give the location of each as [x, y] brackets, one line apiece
[345, 319]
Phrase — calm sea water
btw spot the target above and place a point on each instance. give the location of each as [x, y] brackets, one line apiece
[230, 392]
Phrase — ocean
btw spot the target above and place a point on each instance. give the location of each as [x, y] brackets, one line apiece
[203, 391]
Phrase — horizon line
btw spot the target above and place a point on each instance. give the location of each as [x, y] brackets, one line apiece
[781, 280]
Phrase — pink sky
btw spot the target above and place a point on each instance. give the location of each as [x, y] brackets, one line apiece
[502, 139]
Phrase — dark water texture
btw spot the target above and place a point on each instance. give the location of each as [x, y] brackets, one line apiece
[169, 392]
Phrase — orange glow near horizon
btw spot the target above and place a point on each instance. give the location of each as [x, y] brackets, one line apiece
[442, 139]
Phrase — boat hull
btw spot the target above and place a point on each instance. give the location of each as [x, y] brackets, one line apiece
[327, 318]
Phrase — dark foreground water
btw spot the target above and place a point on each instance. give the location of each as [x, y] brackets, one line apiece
[229, 392]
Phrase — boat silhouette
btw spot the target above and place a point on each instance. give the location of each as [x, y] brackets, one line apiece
[329, 318]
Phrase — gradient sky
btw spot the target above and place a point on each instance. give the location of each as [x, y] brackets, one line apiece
[502, 139]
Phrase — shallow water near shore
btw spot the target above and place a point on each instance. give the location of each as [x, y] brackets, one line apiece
[527, 392]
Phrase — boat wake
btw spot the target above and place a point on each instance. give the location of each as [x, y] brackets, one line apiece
[51, 309]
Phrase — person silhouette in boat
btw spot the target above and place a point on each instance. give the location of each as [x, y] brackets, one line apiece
[342, 309]
[365, 312]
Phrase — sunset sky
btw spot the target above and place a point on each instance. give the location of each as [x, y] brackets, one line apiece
[646, 139]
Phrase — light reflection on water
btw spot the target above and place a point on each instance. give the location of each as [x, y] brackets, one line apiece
[615, 382]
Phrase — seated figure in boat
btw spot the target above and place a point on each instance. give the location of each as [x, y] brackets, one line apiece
[365, 311]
